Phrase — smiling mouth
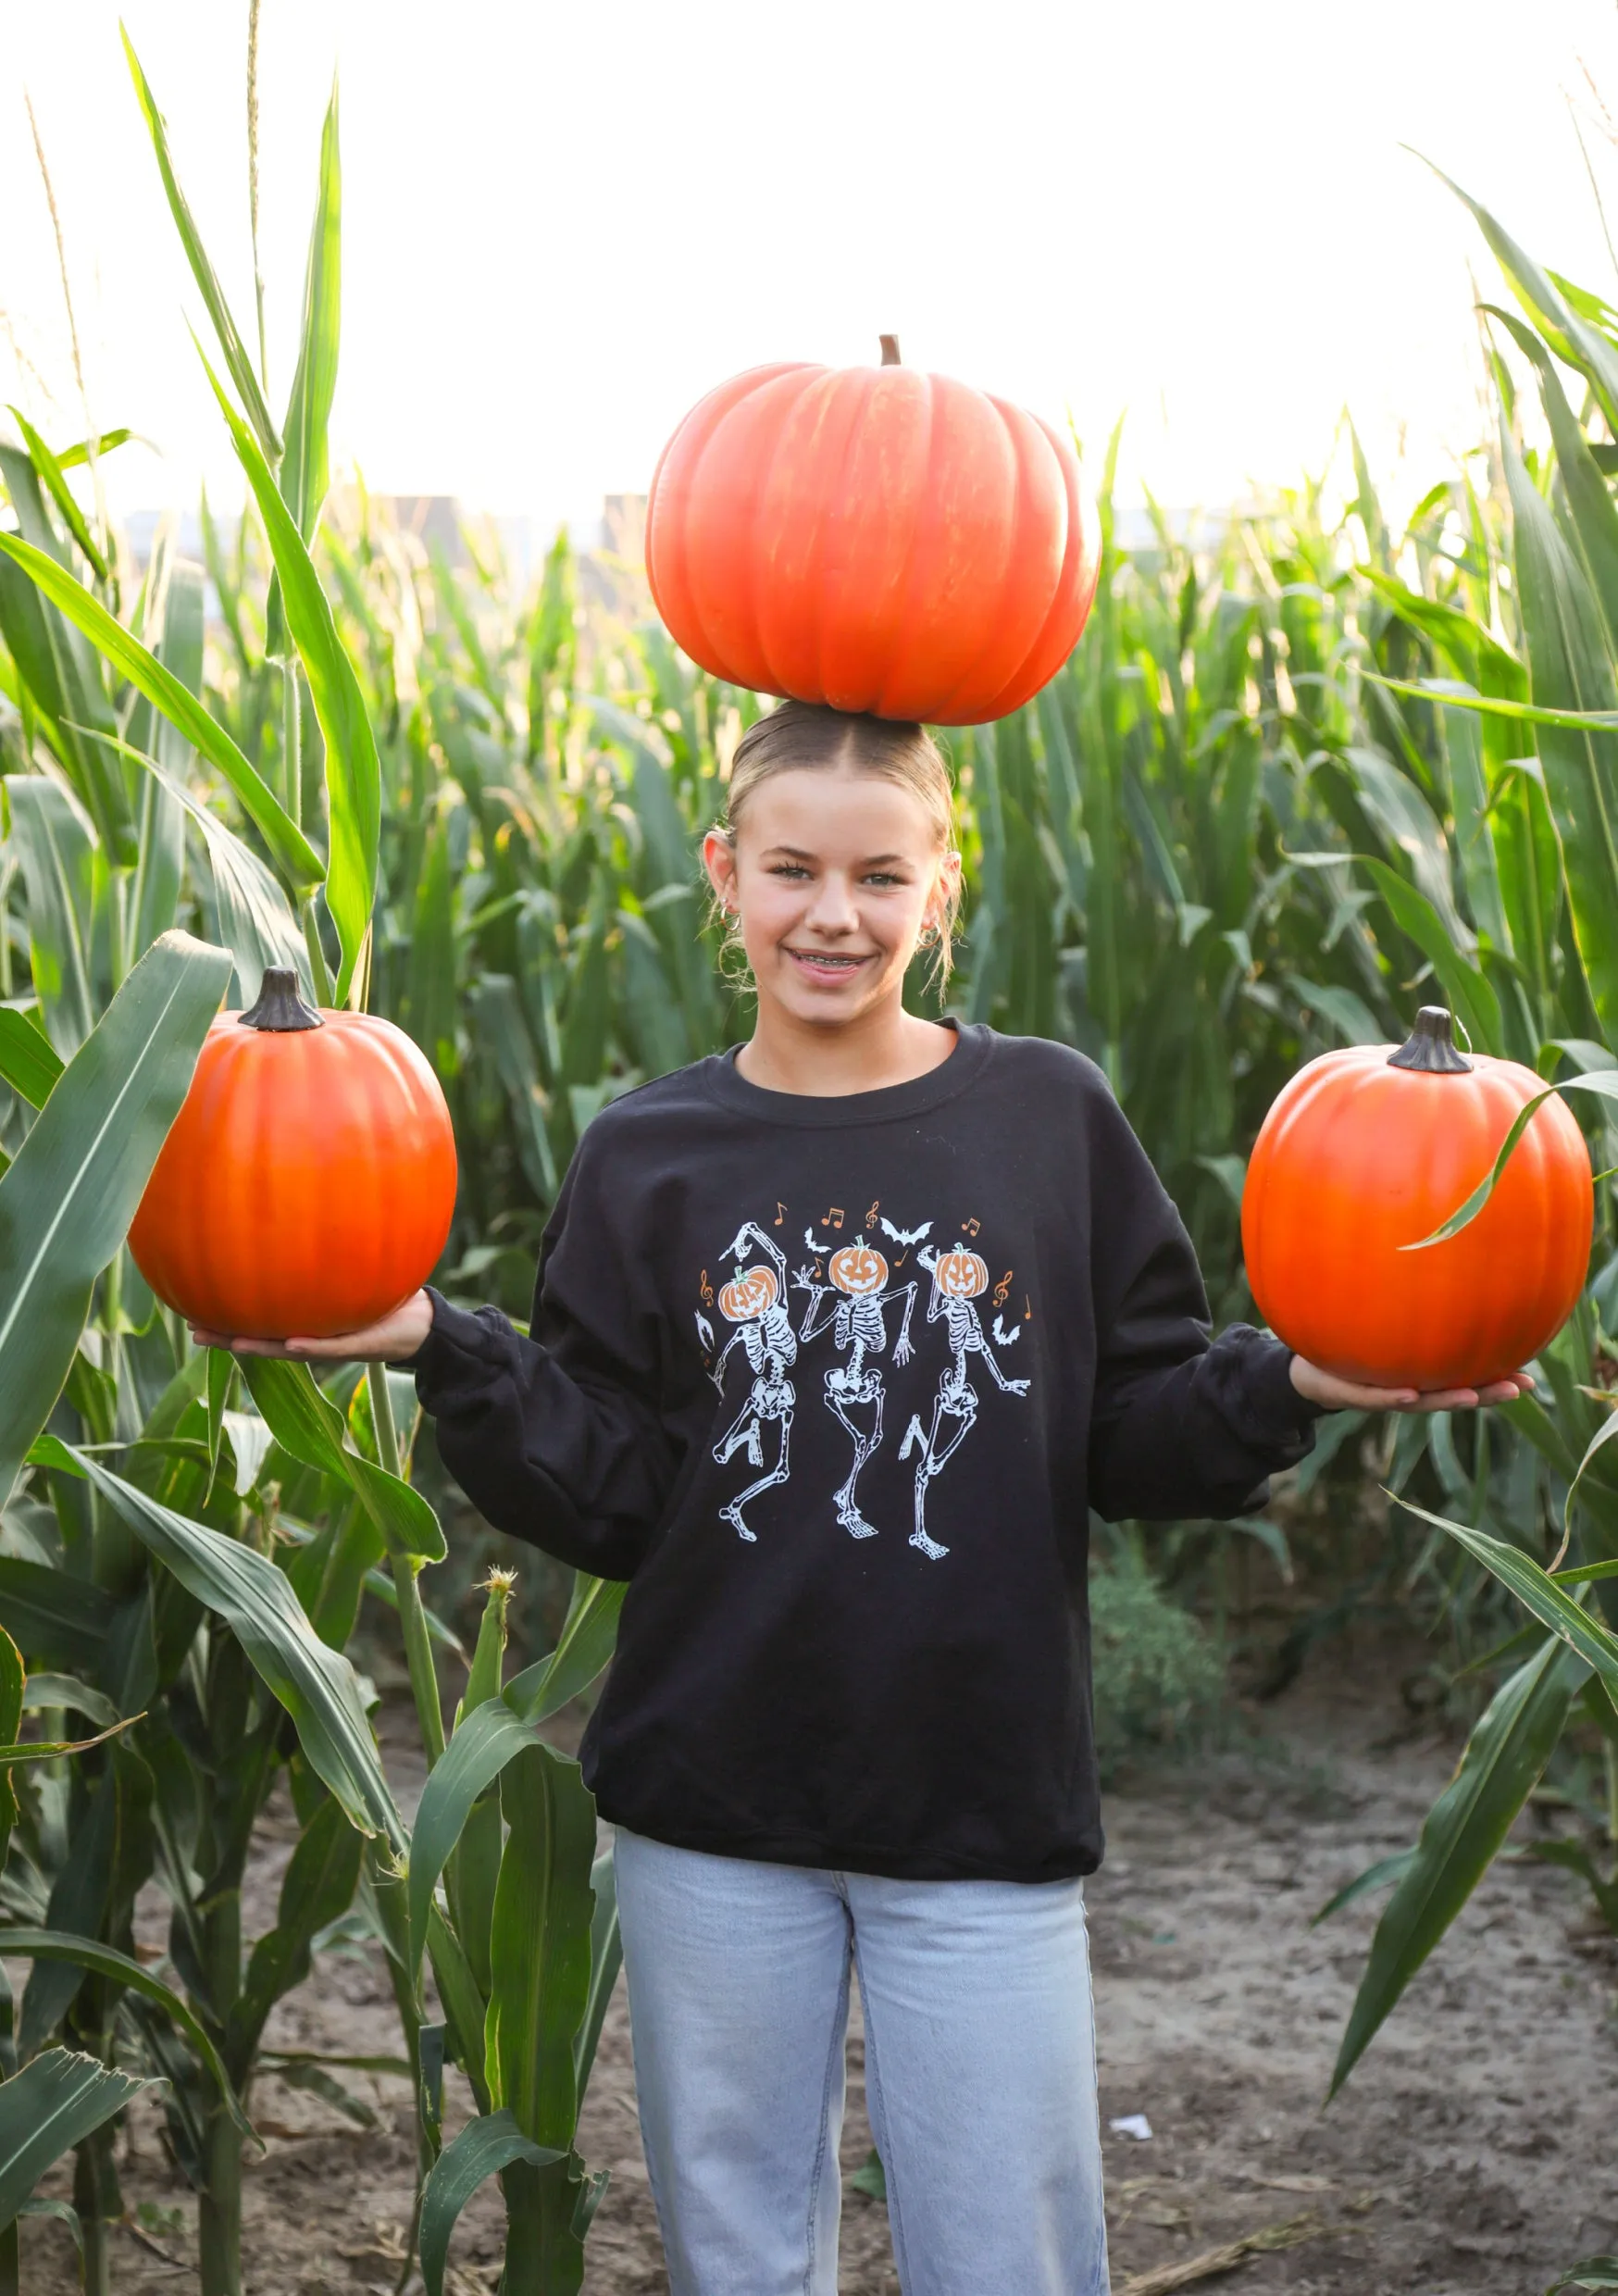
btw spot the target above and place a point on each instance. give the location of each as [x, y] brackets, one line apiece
[823, 965]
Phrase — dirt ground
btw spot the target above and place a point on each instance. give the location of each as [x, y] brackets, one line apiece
[1473, 2151]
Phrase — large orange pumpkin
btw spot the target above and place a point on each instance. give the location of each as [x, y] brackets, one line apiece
[1370, 1150]
[308, 1181]
[873, 538]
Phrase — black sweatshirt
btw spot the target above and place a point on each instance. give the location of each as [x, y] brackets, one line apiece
[834, 1383]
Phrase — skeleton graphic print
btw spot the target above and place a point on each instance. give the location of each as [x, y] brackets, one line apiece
[850, 1289]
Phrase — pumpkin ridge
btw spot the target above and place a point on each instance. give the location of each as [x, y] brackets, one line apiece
[1032, 672]
[861, 381]
[735, 592]
[898, 682]
[961, 704]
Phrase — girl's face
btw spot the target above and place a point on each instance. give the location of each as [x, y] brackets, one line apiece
[834, 875]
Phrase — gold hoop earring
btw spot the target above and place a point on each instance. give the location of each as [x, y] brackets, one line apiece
[929, 934]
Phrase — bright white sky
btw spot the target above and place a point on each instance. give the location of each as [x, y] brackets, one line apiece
[564, 223]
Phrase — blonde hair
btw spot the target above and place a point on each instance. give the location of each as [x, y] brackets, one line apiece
[796, 735]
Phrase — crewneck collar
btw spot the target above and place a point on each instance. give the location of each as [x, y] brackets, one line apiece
[810, 1111]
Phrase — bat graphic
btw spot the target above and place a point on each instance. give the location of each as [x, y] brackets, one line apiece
[706, 1333]
[907, 1235]
[1002, 1337]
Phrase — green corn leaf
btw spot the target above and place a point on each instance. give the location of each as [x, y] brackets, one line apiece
[44, 1690]
[50, 471]
[31, 1944]
[1589, 1641]
[1570, 664]
[1465, 1828]
[305, 471]
[299, 863]
[155, 895]
[202, 270]
[1569, 335]
[1468, 992]
[1595, 2272]
[465, 2007]
[484, 2147]
[1406, 819]
[1604, 1082]
[1379, 1877]
[13, 1689]
[495, 1731]
[606, 1958]
[60, 677]
[48, 1750]
[221, 1369]
[354, 775]
[256, 922]
[316, 1686]
[45, 2110]
[540, 1943]
[318, 1886]
[583, 1647]
[29, 1062]
[67, 1202]
[70, 457]
[1494, 705]
[56, 847]
[305, 1422]
[53, 1618]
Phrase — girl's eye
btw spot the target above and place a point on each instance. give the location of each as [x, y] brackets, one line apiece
[883, 876]
[788, 869]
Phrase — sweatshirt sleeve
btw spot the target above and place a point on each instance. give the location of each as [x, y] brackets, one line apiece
[557, 1437]
[1178, 1427]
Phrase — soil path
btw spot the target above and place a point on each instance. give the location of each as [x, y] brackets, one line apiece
[1472, 2154]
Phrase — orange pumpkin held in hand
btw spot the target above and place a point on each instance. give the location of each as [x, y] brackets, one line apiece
[873, 538]
[1369, 1150]
[308, 1181]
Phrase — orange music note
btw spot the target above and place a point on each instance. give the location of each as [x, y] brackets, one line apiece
[834, 1218]
[1002, 1287]
[970, 1227]
[780, 1213]
[1028, 1308]
[871, 1215]
[705, 1288]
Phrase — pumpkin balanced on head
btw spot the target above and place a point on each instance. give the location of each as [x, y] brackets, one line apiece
[1365, 1154]
[308, 1184]
[873, 538]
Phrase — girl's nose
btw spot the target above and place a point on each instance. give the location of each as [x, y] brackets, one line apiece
[833, 909]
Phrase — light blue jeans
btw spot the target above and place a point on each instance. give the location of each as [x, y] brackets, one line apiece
[980, 2073]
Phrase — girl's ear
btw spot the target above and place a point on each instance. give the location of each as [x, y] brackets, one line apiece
[719, 860]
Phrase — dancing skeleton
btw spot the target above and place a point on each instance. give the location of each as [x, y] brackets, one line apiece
[755, 1301]
[958, 1277]
[859, 1278]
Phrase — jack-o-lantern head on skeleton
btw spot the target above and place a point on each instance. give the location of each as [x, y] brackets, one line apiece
[750, 1294]
[858, 1270]
[960, 1274]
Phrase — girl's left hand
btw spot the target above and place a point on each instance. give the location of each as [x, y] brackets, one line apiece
[1334, 1395]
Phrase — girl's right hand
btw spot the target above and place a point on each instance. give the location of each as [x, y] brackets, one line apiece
[390, 1339]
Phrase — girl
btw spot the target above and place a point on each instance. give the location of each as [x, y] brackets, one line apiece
[837, 1340]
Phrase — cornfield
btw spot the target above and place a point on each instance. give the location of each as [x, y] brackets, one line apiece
[1297, 779]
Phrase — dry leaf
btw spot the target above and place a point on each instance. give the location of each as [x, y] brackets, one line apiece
[1213, 2261]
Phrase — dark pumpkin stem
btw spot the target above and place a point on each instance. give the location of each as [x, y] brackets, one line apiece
[890, 351]
[281, 1005]
[1430, 1048]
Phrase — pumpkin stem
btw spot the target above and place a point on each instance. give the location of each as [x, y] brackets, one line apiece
[890, 351]
[1430, 1048]
[281, 1006]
